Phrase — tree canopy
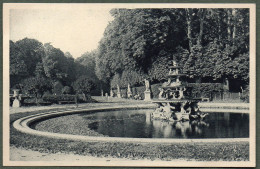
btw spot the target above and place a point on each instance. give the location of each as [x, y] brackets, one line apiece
[208, 43]
[37, 67]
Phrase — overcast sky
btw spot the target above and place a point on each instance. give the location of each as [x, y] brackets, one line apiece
[72, 29]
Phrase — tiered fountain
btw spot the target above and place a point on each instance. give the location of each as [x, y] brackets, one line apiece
[175, 101]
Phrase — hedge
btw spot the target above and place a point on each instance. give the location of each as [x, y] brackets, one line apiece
[205, 89]
[56, 98]
[198, 90]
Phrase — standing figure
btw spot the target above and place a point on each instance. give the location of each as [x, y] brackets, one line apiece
[111, 93]
[147, 85]
[118, 91]
[129, 92]
[161, 93]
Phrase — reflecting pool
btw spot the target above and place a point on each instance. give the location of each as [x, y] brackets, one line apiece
[139, 124]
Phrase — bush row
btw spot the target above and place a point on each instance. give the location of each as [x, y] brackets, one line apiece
[198, 90]
[47, 99]
[70, 98]
[205, 89]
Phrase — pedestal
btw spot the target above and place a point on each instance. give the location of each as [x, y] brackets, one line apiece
[147, 95]
[16, 103]
[129, 94]
[16, 92]
[111, 93]
[119, 95]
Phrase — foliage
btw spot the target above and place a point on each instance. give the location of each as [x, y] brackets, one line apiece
[159, 69]
[69, 98]
[115, 81]
[83, 85]
[55, 63]
[56, 98]
[36, 85]
[17, 64]
[139, 91]
[25, 54]
[57, 88]
[205, 89]
[66, 90]
[205, 42]
[143, 33]
[32, 53]
[245, 95]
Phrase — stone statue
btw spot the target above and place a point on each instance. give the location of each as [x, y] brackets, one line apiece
[118, 91]
[129, 92]
[111, 93]
[118, 88]
[180, 94]
[174, 63]
[161, 93]
[128, 88]
[147, 85]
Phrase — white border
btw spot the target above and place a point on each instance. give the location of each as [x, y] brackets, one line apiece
[6, 153]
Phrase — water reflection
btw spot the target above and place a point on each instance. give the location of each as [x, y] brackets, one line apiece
[139, 124]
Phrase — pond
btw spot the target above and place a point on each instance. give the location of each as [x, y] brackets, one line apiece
[139, 124]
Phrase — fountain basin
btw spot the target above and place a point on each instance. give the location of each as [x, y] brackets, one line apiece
[23, 125]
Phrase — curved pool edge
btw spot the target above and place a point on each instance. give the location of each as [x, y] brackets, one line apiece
[23, 124]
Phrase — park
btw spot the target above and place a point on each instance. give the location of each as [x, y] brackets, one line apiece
[164, 84]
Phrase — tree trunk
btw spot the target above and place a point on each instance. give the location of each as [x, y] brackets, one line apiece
[234, 23]
[228, 24]
[201, 16]
[189, 27]
[219, 28]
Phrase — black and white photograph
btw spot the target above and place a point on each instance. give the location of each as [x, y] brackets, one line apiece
[129, 84]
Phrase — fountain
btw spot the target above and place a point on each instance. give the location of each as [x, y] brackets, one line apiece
[175, 101]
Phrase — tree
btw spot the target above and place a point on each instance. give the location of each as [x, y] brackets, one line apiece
[83, 85]
[143, 34]
[33, 52]
[55, 64]
[204, 42]
[57, 88]
[159, 69]
[18, 68]
[66, 90]
[25, 54]
[36, 85]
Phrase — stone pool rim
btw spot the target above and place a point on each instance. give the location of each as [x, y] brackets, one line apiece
[23, 124]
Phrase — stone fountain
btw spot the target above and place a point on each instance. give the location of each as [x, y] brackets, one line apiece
[175, 101]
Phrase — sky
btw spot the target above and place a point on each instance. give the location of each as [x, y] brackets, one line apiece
[71, 28]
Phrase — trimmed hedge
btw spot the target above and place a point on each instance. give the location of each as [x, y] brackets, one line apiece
[56, 98]
[198, 90]
[205, 89]
[140, 90]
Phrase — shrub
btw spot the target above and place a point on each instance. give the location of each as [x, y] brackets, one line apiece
[35, 85]
[198, 89]
[83, 85]
[57, 88]
[56, 98]
[245, 96]
[155, 90]
[66, 90]
[204, 89]
[139, 90]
